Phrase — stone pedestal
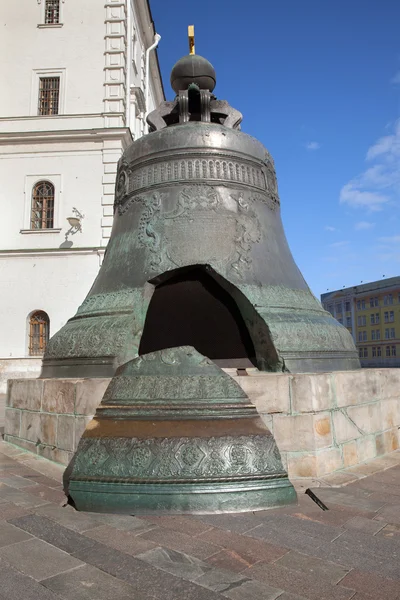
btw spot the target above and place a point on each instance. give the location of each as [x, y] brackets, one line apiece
[322, 422]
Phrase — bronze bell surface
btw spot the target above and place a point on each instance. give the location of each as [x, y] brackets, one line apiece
[198, 255]
[175, 434]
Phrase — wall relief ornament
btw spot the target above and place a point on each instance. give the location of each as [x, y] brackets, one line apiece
[199, 229]
[121, 185]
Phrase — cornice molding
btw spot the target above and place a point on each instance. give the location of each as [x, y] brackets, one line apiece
[22, 253]
[67, 135]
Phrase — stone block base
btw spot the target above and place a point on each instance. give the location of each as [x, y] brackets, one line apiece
[49, 416]
[322, 422]
[326, 422]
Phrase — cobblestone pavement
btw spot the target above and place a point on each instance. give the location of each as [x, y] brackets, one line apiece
[48, 552]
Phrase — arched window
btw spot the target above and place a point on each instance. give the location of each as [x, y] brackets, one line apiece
[43, 206]
[39, 330]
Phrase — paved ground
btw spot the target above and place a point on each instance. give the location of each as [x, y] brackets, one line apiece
[48, 552]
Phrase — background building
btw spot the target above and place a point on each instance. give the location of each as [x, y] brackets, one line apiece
[371, 312]
[73, 98]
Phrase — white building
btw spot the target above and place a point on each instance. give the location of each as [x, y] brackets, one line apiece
[73, 97]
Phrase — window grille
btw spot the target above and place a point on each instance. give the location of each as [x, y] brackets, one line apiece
[49, 95]
[52, 11]
[39, 330]
[43, 206]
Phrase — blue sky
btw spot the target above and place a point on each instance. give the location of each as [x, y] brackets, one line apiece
[318, 83]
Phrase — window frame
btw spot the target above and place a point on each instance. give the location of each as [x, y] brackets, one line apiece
[50, 97]
[30, 182]
[42, 18]
[44, 333]
[45, 213]
[37, 74]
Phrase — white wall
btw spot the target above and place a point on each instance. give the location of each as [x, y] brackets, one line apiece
[77, 46]
[55, 283]
[77, 150]
[77, 177]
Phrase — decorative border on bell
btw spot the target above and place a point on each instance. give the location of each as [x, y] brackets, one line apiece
[202, 480]
[183, 457]
[125, 202]
[196, 498]
[200, 168]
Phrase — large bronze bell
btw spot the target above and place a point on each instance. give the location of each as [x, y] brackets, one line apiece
[198, 255]
[197, 276]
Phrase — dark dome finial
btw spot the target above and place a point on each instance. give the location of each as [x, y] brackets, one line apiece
[193, 69]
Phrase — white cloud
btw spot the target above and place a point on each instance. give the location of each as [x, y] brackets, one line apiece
[363, 225]
[330, 228]
[313, 145]
[388, 144]
[353, 196]
[394, 239]
[380, 183]
[396, 78]
[339, 244]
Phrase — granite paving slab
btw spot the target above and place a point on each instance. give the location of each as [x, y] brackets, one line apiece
[47, 530]
[14, 585]
[67, 516]
[365, 525]
[230, 560]
[142, 576]
[176, 563]
[10, 534]
[19, 497]
[252, 590]
[16, 481]
[126, 541]
[88, 583]
[294, 582]
[324, 570]
[181, 542]
[248, 549]
[372, 585]
[38, 559]
[221, 580]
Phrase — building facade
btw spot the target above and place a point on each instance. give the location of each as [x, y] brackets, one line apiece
[371, 312]
[74, 97]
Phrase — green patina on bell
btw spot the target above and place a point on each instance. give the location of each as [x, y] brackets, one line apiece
[176, 434]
